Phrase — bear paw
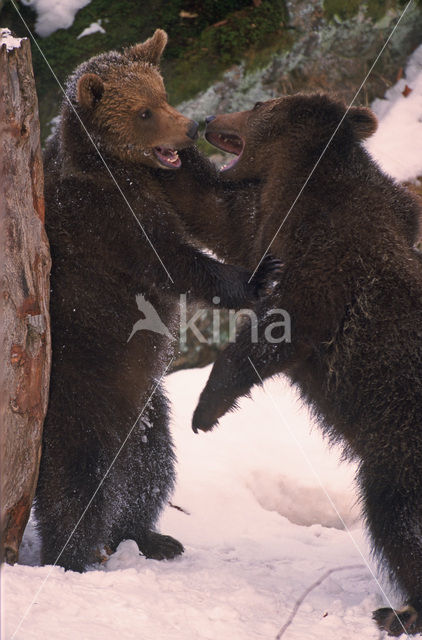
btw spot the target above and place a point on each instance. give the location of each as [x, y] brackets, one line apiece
[203, 420]
[158, 547]
[395, 622]
[266, 275]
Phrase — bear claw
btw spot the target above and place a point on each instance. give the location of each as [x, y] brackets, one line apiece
[266, 274]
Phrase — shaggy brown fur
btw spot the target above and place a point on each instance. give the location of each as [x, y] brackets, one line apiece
[352, 284]
[230, 209]
[106, 247]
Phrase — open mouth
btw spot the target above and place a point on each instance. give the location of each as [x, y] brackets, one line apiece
[229, 142]
[169, 158]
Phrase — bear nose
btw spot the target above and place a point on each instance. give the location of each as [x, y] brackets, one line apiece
[209, 119]
[193, 130]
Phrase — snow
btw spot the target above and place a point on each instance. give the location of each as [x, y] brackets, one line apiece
[54, 14]
[258, 531]
[10, 41]
[94, 27]
[264, 501]
[397, 144]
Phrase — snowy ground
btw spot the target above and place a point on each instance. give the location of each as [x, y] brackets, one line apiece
[261, 495]
[246, 562]
[397, 145]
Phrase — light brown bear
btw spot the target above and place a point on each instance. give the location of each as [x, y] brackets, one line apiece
[107, 464]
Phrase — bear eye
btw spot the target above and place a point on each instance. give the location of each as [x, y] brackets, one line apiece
[145, 114]
[257, 105]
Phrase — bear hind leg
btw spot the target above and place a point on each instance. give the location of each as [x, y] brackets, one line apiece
[69, 538]
[144, 492]
[398, 621]
[393, 508]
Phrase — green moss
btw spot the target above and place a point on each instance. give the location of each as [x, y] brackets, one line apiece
[241, 35]
[342, 10]
[377, 9]
[257, 58]
[200, 48]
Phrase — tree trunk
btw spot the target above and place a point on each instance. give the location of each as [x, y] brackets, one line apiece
[25, 348]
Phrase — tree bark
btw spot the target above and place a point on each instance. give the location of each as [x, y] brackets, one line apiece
[25, 346]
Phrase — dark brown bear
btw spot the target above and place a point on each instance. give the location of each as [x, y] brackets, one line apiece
[352, 284]
[114, 234]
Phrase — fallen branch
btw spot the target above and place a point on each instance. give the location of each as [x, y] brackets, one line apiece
[313, 586]
[175, 506]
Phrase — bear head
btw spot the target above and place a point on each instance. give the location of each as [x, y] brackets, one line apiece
[292, 131]
[121, 101]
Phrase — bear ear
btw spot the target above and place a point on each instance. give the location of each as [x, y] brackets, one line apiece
[150, 50]
[89, 90]
[363, 121]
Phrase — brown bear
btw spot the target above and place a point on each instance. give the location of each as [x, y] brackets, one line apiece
[352, 285]
[107, 464]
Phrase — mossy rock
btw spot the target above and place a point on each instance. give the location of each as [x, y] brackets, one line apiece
[340, 10]
[218, 34]
[374, 9]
